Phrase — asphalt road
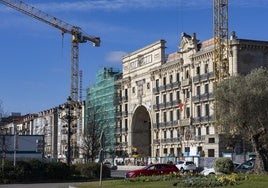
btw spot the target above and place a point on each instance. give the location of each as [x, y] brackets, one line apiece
[39, 185]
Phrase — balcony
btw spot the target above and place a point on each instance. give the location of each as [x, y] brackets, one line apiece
[196, 79]
[162, 105]
[162, 88]
[199, 138]
[169, 86]
[184, 122]
[185, 82]
[118, 114]
[203, 97]
[124, 98]
[156, 90]
[156, 106]
[117, 130]
[156, 141]
[156, 125]
[203, 119]
[125, 113]
[176, 84]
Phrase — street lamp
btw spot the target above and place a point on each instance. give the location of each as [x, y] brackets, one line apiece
[70, 107]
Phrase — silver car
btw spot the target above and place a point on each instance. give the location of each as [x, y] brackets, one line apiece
[186, 166]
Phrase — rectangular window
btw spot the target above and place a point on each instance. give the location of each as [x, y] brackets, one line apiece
[187, 94]
[164, 98]
[171, 97]
[179, 153]
[164, 81]
[157, 118]
[198, 109]
[211, 153]
[157, 100]
[171, 134]
[157, 152]
[165, 134]
[178, 95]
[199, 131]
[126, 124]
[206, 68]
[126, 93]
[187, 112]
[198, 70]
[198, 90]
[187, 149]
[178, 114]
[207, 130]
[165, 151]
[171, 116]
[211, 140]
[171, 151]
[126, 108]
[206, 88]
[178, 77]
[157, 83]
[165, 117]
[170, 79]
[207, 109]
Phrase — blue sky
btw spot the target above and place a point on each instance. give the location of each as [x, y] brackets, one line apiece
[35, 59]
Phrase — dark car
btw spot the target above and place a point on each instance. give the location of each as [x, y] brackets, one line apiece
[152, 170]
[245, 167]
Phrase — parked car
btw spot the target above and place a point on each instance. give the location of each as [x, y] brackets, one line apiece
[245, 167]
[152, 170]
[208, 171]
[186, 166]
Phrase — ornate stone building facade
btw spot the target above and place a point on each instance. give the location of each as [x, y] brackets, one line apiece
[167, 101]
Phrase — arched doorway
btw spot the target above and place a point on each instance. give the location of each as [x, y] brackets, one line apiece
[141, 131]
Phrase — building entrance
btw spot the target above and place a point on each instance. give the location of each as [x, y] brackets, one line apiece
[141, 132]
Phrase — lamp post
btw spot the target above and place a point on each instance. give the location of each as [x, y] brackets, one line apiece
[4, 133]
[69, 117]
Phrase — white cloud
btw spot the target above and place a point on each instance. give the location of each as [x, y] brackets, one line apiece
[110, 5]
[115, 56]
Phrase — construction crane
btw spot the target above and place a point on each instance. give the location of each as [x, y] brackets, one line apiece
[78, 36]
[221, 40]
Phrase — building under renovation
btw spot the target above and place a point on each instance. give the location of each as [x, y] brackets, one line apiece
[167, 103]
[100, 105]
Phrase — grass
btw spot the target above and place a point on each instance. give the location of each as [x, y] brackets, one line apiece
[255, 181]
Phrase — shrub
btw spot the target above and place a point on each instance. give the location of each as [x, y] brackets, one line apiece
[57, 170]
[224, 165]
[92, 170]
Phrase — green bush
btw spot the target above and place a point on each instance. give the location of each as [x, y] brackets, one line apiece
[92, 170]
[36, 171]
[57, 170]
[223, 165]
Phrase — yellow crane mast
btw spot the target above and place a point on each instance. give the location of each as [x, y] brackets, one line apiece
[78, 36]
[221, 40]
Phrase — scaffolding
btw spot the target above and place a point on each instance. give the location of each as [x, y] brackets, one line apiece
[100, 106]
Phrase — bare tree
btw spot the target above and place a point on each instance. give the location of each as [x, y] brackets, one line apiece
[242, 109]
[91, 136]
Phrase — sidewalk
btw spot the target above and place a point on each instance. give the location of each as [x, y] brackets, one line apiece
[128, 167]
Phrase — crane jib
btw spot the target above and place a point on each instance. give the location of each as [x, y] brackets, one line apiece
[50, 20]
